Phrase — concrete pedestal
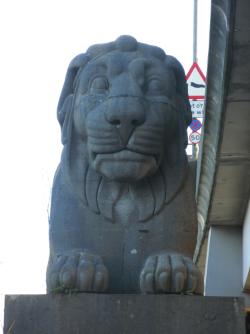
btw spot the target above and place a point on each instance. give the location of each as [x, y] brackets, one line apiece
[122, 314]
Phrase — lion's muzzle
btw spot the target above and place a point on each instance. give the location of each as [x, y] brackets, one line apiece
[125, 113]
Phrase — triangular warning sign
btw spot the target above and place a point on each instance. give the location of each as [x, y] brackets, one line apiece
[196, 82]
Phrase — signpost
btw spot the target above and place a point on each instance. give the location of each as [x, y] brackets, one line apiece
[196, 82]
[196, 87]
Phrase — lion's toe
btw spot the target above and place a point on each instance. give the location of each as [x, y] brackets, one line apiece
[170, 273]
[79, 271]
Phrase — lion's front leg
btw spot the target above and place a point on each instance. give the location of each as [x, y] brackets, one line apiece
[77, 271]
[170, 273]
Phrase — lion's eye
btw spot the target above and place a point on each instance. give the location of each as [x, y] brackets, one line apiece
[154, 86]
[99, 84]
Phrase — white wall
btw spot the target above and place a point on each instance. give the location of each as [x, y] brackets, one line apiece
[223, 275]
[224, 266]
[246, 250]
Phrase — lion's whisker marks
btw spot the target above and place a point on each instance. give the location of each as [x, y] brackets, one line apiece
[143, 132]
[98, 128]
[157, 134]
[148, 137]
[149, 143]
[105, 148]
[100, 136]
[152, 129]
[103, 143]
[145, 150]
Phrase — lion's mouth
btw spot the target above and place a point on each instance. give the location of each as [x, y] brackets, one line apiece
[124, 155]
[125, 165]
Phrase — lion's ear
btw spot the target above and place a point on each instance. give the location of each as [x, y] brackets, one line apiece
[65, 103]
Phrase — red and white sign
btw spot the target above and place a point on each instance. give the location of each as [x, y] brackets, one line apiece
[196, 82]
[195, 137]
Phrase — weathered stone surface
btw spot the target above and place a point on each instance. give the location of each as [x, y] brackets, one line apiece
[123, 215]
[123, 314]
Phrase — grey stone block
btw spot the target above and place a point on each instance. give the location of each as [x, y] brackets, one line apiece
[121, 314]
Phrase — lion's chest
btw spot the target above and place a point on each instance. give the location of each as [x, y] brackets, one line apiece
[125, 209]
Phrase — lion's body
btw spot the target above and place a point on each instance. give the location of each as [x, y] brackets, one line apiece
[123, 189]
[123, 247]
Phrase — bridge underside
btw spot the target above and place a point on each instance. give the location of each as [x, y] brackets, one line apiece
[223, 173]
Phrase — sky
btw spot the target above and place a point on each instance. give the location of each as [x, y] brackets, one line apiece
[38, 40]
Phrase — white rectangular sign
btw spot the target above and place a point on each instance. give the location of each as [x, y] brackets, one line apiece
[197, 108]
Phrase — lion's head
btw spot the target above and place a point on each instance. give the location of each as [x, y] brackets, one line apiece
[124, 111]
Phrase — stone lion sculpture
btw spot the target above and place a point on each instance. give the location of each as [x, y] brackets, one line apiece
[123, 216]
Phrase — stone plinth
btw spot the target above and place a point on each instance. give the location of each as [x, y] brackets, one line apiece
[122, 314]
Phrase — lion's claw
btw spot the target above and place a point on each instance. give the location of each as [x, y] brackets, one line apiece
[170, 273]
[80, 271]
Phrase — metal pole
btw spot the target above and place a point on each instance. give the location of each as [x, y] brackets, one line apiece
[194, 147]
[195, 31]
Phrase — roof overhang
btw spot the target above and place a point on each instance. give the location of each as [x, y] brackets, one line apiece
[223, 173]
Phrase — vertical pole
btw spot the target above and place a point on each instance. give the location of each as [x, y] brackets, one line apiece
[195, 31]
[194, 146]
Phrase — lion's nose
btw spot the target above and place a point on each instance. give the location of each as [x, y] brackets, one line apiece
[125, 113]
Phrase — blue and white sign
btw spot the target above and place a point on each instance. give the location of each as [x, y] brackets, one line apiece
[195, 125]
[197, 107]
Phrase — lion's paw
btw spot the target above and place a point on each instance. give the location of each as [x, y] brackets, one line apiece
[170, 273]
[77, 271]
